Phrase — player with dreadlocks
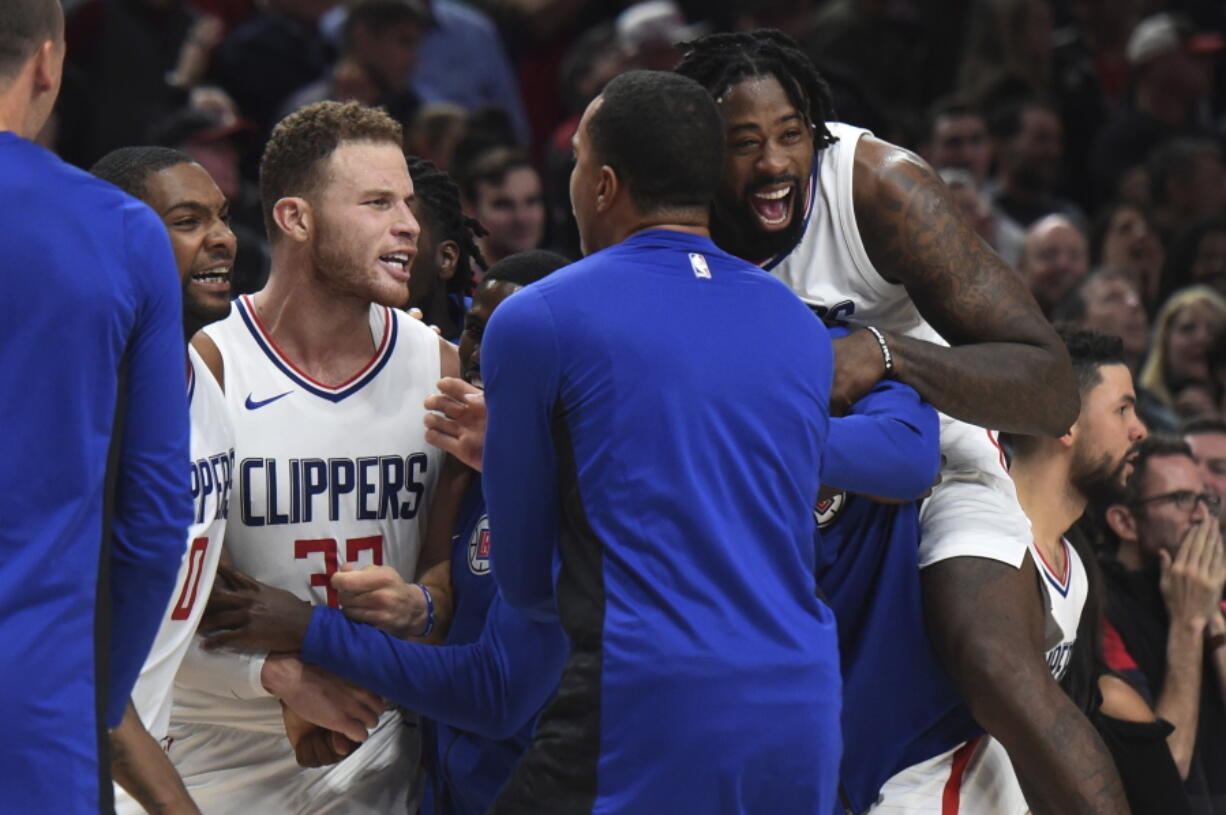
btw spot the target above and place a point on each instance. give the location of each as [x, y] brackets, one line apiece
[866, 234]
[442, 274]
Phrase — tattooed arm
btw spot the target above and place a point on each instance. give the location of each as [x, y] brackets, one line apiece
[139, 765]
[1007, 369]
[986, 622]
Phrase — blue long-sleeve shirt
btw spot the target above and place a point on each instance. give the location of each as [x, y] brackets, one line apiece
[657, 413]
[90, 280]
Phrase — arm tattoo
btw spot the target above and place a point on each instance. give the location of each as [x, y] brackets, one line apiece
[1007, 369]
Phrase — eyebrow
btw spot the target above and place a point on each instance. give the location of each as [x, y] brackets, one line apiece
[192, 205]
[753, 126]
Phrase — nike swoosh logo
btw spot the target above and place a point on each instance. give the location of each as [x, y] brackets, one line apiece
[254, 405]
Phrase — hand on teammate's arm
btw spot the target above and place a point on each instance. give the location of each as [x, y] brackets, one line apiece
[379, 596]
[986, 621]
[1191, 585]
[455, 421]
[140, 766]
[322, 698]
[245, 613]
[314, 746]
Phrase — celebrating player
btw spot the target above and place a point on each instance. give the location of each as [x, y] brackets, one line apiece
[865, 233]
[324, 380]
[196, 216]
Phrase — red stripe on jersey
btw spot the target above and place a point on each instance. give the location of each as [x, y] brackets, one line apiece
[1062, 579]
[951, 798]
[1115, 653]
[387, 332]
[995, 440]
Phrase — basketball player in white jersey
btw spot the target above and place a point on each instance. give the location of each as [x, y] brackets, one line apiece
[865, 233]
[196, 215]
[1056, 479]
[324, 379]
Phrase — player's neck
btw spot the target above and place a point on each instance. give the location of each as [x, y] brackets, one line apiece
[1047, 497]
[322, 333]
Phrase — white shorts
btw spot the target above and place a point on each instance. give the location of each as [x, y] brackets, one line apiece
[236, 772]
[974, 511]
[976, 778]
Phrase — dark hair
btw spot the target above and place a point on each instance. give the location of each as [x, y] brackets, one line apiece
[1185, 248]
[1071, 309]
[440, 207]
[948, 107]
[25, 25]
[663, 136]
[1176, 159]
[305, 139]
[129, 168]
[1088, 351]
[1155, 446]
[379, 15]
[1007, 121]
[491, 167]
[488, 127]
[1203, 424]
[525, 268]
[719, 62]
[1101, 225]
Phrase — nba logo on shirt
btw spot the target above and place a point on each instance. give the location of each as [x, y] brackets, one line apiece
[479, 547]
[699, 264]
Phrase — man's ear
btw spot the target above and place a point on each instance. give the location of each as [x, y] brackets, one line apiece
[1070, 436]
[1122, 522]
[294, 218]
[607, 188]
[447, 258]
[48, 65]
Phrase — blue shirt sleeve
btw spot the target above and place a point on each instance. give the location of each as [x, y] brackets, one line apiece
[491, 687]
[521, 364]
[888, 445]
[152, 493]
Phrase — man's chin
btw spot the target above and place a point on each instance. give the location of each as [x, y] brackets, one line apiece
[747, 237]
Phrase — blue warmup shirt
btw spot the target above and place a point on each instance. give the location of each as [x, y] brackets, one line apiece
[899, 705]
[90, 278]
[657, 413]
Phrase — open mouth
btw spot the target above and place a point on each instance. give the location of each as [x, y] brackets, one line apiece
[216, 279]
[773, 205]
[397, 263]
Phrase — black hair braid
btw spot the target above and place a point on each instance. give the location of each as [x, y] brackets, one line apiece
[720, 61]
[440, 198]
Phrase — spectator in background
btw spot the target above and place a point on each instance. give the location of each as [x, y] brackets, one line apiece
[1198, 255]
[502, 190]
[1123, 238]
[1107, 302]
[1055, 257]
[1171, 76]
[1164, 590]
[1187, 180]
[1001, 233]
[132, 62]
[378, 55]
[1184, 328]
[1029, 144]
[436, 131]
[957, 136]
[487, 128]
[442, 274]
[648, 32]
[1206, 436]
[272, 55]
[1007, 42]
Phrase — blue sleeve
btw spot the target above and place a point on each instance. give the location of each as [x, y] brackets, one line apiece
[888, 445]
[491, 687]
[152, 492]
[521, 364]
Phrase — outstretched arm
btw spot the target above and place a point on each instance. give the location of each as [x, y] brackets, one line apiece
[1007, 368]
[986, 623]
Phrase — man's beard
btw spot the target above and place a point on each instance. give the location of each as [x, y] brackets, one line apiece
[734, 229]
[338, 264]
[1100, 481]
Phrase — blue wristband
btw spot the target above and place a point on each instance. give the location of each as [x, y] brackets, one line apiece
[429, 610]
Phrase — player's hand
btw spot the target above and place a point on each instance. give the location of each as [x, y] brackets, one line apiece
[416, 314]
[1191, 582]
[314, 746]
[858, 367]
[320, 697]
[460, 429]
[245, 613]
[379, 596]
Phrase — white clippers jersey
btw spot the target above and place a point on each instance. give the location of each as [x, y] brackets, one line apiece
[212, 468]
[829, 269]
[1064, 597]
[323, 475]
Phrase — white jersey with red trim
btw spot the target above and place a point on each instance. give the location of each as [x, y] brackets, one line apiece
[829, 269]
[212, 467]
[1064, 598]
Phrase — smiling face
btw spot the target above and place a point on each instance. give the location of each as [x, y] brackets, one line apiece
[197, 218]
[364, 232]
[759, 210]
[513, 212]
[1189, 334]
